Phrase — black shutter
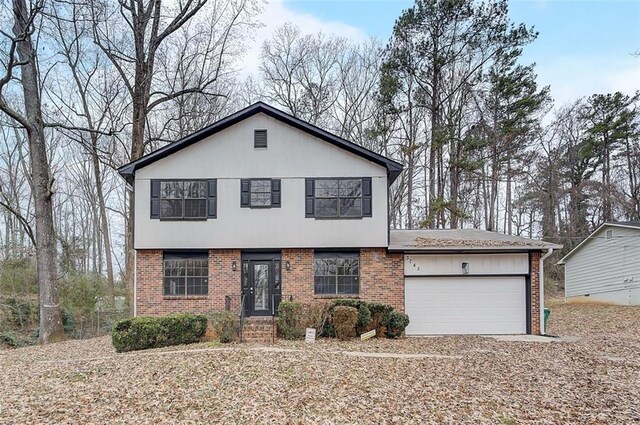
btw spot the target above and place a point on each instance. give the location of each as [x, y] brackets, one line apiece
[245, 185]
[260, 138]
[366, 197]
[155, 199]
[275, 193]
[309, 205]
[212, 199]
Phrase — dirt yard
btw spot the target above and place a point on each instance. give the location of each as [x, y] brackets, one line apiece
[595, 379]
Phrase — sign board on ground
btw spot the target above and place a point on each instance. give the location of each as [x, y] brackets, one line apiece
[368, 335]
[310, 335]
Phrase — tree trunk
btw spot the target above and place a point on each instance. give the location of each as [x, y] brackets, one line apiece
[104, 224]
[50, 318]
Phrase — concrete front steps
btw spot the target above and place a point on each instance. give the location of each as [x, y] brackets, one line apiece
[258, 330]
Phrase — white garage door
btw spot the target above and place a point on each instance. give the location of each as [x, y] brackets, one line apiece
[465, 305]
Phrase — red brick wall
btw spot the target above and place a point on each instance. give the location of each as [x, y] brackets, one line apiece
[381, 276]
[535, 293]
[298, 281]
[222, 281]
[381, 280]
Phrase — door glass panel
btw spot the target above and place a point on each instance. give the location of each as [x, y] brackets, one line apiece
[261, 286]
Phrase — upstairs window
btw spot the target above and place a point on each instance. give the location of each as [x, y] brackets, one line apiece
[186, 274]
[609, 234]
[183, 199]
[338, 198]
[260, 193]
[260, 139]
[336, 273]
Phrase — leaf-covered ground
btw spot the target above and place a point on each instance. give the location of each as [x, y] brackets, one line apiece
[454, 380]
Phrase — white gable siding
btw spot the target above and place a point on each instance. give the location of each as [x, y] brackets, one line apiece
[605, 269]
[291, 155]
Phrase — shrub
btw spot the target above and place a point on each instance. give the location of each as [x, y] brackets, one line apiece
[15, 339]
[20, 312]
[225, 324]
[290, 320]
[18, 277]
[364, 314]
[315, 315]
[379, 313]
[395, 322]
[345, 320]
[140, 333]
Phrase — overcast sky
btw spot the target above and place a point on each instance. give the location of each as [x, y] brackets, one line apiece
[584, 46]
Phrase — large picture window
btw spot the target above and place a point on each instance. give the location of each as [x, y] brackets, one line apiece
[336, 273]
[338, 198]
[183, 199]
[186, 274]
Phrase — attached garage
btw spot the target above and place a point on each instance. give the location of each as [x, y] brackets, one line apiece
[469, 281]
[466, 305]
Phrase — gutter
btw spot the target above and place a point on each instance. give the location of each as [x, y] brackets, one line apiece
[543, 331]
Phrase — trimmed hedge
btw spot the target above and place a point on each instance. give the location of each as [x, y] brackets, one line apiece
[141, 333]
[395, 322]
[345, 320]
[225, 324]
[290, 320]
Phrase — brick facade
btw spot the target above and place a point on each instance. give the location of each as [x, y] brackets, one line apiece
[381, 276]
[222, 281]
[535, 292]
[381, 280]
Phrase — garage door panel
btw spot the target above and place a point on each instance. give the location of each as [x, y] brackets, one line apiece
[465, 305]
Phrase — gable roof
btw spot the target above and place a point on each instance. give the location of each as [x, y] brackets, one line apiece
[393, 168]
[622, 224]
[462, 240]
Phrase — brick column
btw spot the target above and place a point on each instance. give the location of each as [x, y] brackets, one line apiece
[535, 292]
[298, 280]
[382, 277]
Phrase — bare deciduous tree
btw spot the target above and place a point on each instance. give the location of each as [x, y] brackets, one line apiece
[22, 57]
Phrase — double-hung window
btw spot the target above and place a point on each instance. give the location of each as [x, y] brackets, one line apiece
[336, 273]
[183, 199]
[186, 274]
[260, 193]
[338, 198]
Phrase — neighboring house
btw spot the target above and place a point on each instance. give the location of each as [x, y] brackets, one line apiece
[605, 266]
[266, 206]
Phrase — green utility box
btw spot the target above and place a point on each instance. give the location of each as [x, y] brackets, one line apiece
[547, 313]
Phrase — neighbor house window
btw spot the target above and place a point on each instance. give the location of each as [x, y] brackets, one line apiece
[338, 198]
[260, 193]
[336, 273]
[183, 199]
[609, 234]
[186, 274]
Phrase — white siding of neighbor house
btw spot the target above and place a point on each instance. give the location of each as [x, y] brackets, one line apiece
[291, 155]
[606, 270]
[479, 264]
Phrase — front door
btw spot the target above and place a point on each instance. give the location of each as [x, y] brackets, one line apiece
[261, 283]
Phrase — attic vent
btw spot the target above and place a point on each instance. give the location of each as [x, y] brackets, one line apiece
[260, 139]
[609, 234]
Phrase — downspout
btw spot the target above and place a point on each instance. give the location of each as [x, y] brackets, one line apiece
[543, 331]
[135, 282]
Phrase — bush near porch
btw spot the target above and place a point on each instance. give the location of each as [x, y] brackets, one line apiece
[294, 317]
[140, 333]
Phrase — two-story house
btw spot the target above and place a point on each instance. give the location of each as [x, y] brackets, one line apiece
[265, 205]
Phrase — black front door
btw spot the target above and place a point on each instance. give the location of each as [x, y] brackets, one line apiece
[261, 283]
